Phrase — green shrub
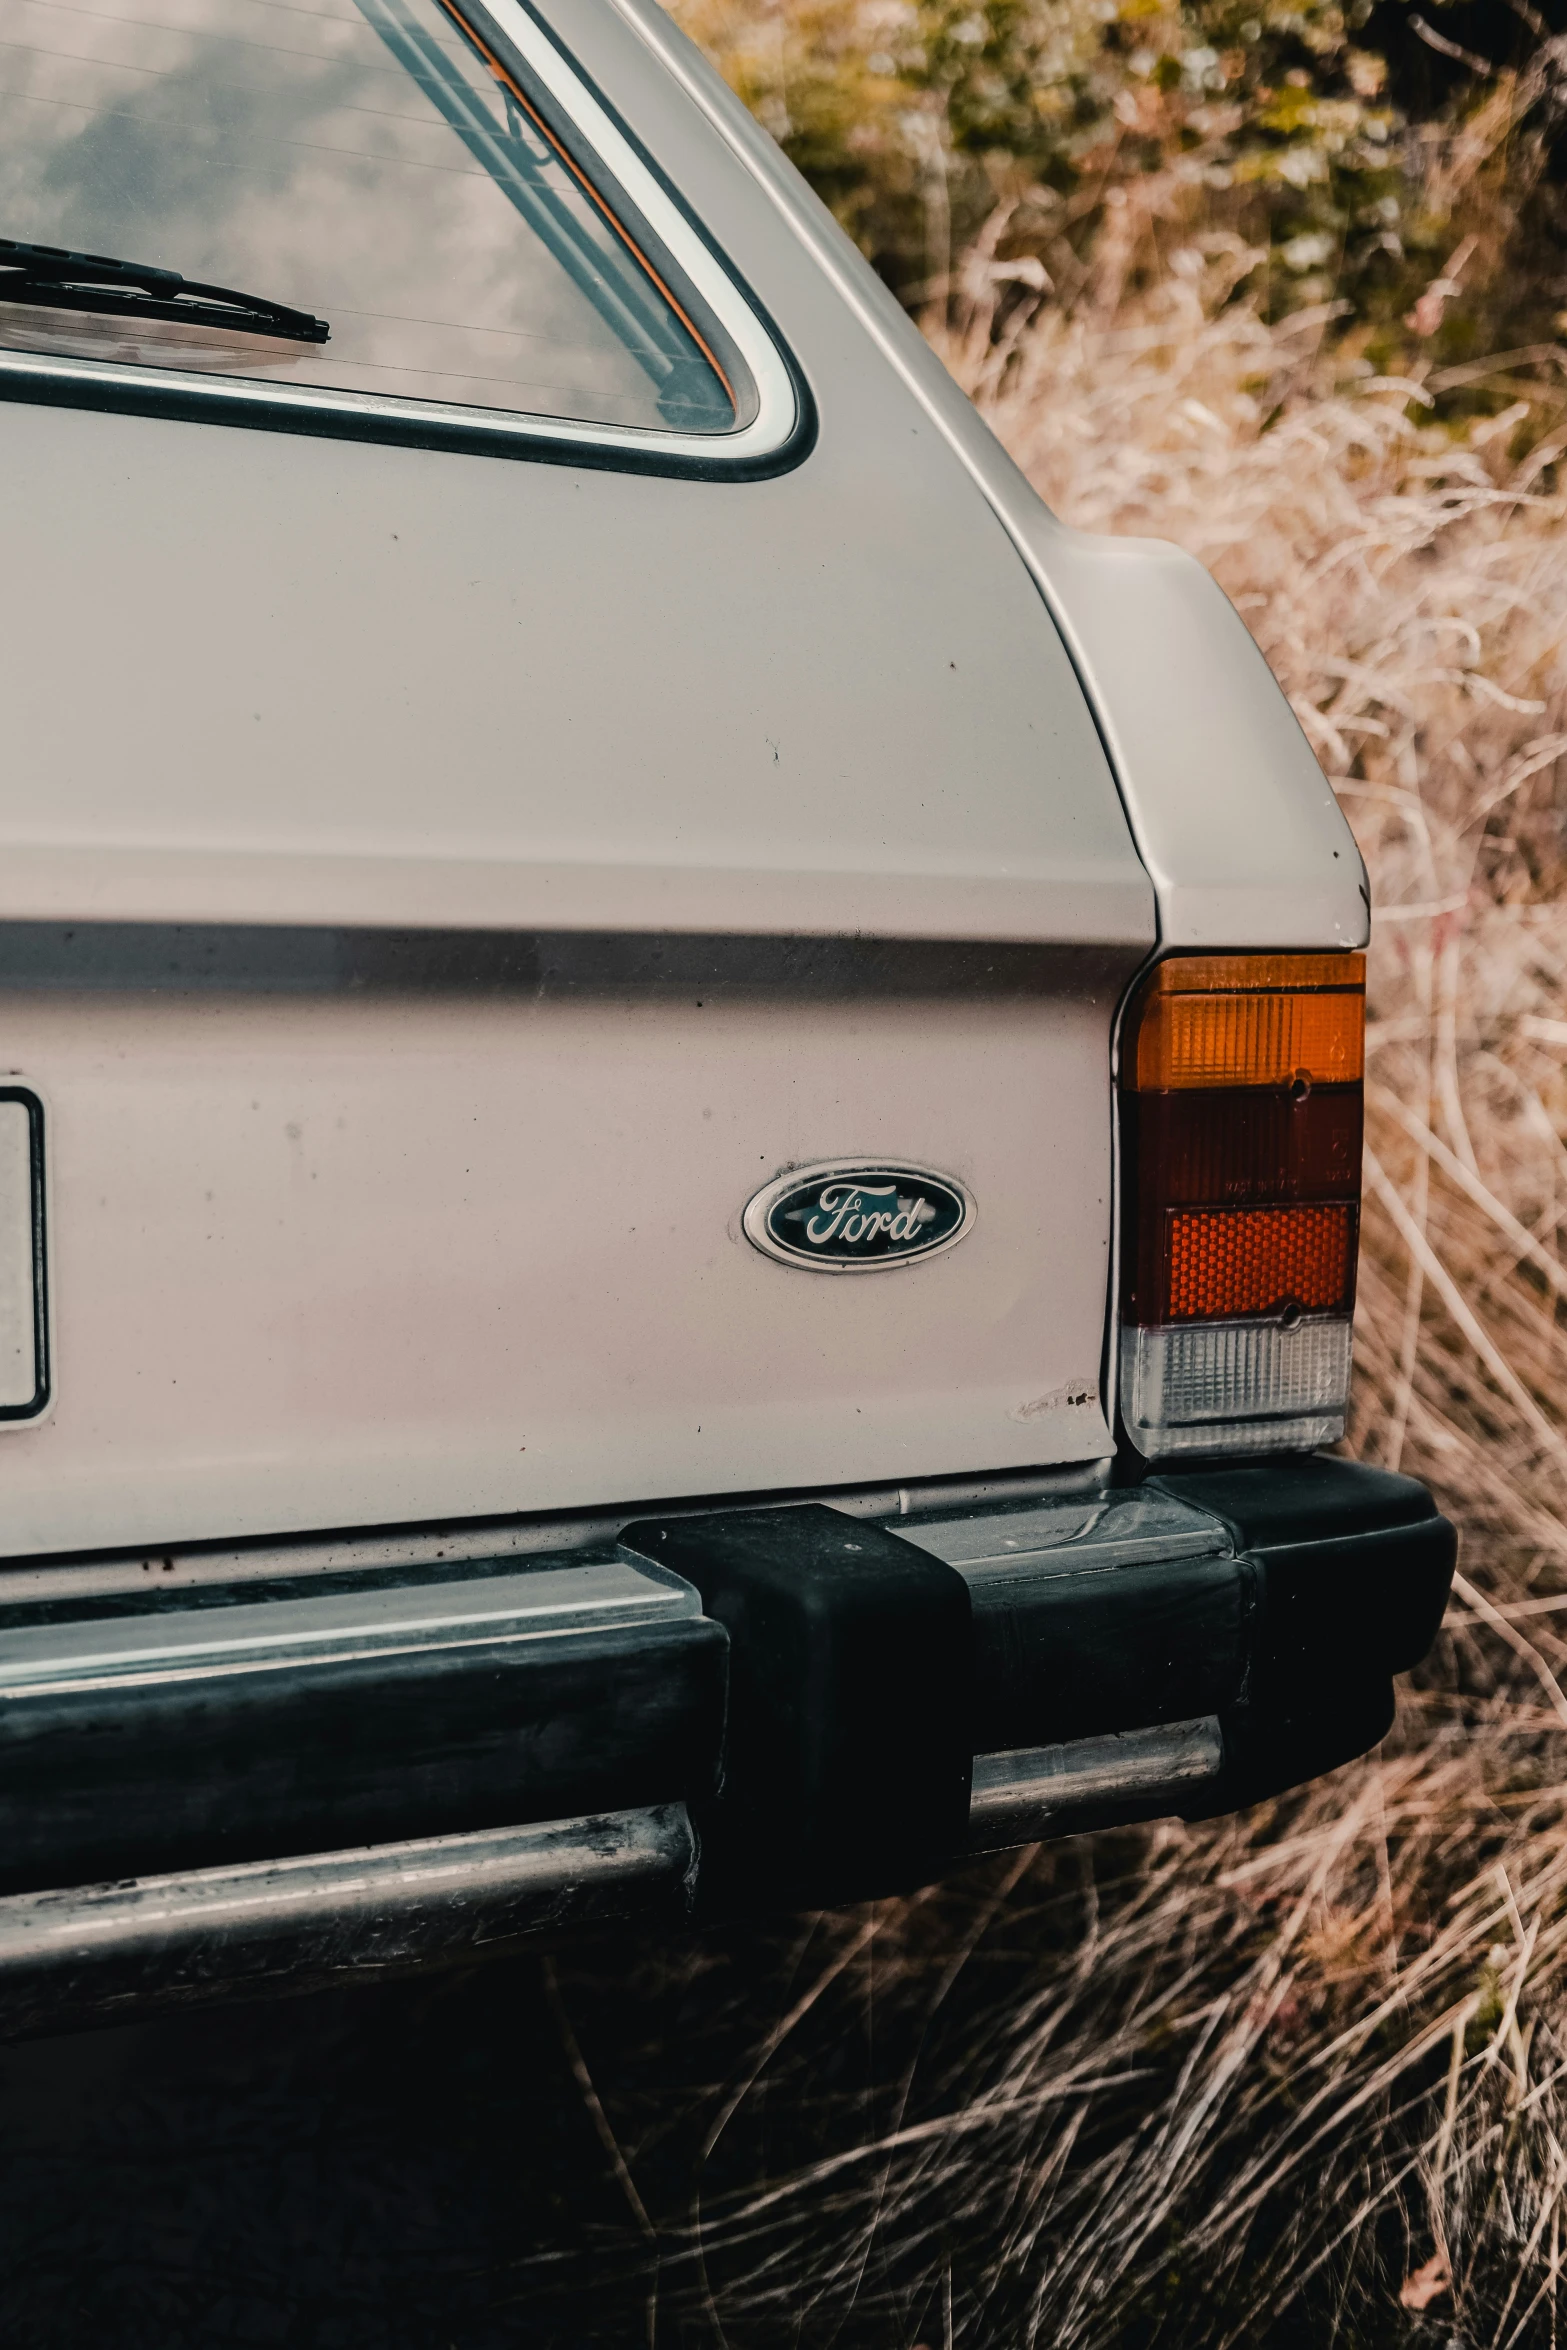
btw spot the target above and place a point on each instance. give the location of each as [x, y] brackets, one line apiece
[1043, 143]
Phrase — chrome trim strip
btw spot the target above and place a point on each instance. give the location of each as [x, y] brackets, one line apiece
[286, 1923]
[23, 1582]
[549, 1603]
[1118, 1529]
[1041, 1791]
[96, 382]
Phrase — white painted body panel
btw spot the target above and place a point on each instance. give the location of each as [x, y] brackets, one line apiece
[323, 1261]
[453, 690]
[1233, 818]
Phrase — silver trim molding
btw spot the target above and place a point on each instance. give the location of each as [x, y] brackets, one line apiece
[1040, 1791]
[285, 1924]
[182, 1643]
[195, 1567]
[1125, 1528]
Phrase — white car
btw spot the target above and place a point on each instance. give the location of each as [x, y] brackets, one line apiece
[679, 1142]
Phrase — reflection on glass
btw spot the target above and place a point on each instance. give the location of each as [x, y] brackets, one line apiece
[373, 162]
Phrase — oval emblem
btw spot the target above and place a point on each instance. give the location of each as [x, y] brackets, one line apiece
[863, 1217]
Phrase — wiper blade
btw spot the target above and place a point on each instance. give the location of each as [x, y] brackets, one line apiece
[57, 280]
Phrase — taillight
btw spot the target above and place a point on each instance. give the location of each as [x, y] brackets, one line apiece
[1240, 1152]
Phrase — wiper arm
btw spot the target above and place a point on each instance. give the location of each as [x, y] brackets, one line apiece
[53, 278]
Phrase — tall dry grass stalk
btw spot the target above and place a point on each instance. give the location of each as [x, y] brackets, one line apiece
[1256, 2081]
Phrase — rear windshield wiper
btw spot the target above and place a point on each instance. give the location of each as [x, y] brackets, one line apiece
[57, 280]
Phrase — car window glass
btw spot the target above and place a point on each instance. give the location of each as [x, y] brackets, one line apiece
[385, 166]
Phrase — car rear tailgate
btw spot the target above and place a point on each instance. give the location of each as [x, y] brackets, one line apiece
[351, 1232]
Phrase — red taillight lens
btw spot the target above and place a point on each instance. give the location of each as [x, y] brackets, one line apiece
[1241, 1133]
[1224, 1261]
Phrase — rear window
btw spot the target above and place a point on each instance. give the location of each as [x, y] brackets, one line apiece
[393, 171]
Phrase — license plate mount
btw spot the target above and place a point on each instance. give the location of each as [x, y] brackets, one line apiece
[26, 1377]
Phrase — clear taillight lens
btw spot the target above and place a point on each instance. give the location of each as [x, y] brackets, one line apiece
[1240, 1152]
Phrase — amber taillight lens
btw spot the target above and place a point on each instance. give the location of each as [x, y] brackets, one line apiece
[1240, 1152]
[1201, 1027]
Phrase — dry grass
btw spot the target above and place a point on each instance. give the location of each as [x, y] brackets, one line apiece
[1249, 2082]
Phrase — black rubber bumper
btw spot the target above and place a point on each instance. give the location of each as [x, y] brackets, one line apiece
[865, 1672]
[1351, 1569]
[815, 1686]
[847, 1762]
[317, 1731]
